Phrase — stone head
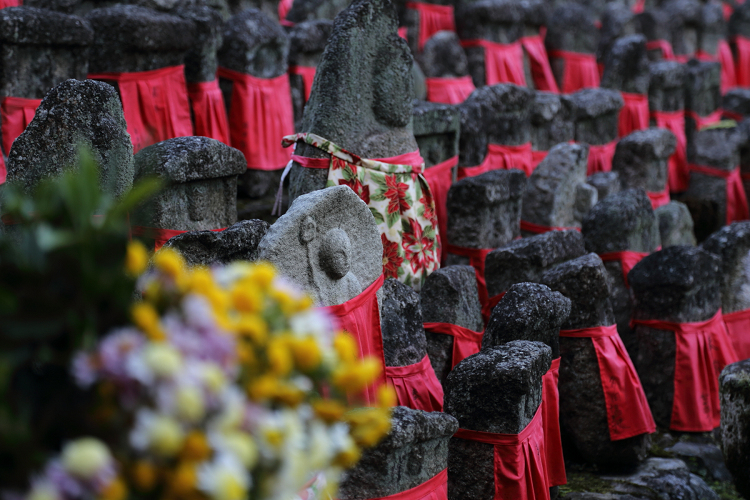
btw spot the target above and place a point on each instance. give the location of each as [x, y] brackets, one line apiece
[334, 254]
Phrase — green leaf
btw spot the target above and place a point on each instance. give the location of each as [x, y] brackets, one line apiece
[378, 216]
[392, 219]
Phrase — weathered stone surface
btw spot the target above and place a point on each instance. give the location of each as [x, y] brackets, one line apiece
[309, 10]
[418, 82]
[666, 86]
[415, 450]
[583, 411]
[557, 188]
[437, 129]
[606, 183]
[207, 248]
[617, 21]
[663, 478]
[626, 65]
[73, 114]
[734, 384]
[675, 224]
[401, 325]
[732, 245]
[551, 120]
[496, 390]
[328, 243]
[443, 56]
[307, 41]
[739, 21]
[654, 24]
[702, 90]
[527, 259]
[737, 101]
[678, 284]
[743, 140]
[711, 28]
[641, 159]
[597, 113]
[684, 18]
[570, 27]
[201, 61]
[702, 458]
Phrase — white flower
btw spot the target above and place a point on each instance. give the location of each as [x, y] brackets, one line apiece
[43, 490]
[160, 434]
[85, 457]
[237, 443]
[315, 322]
[320, 451]
[155, 361]
[224, 478]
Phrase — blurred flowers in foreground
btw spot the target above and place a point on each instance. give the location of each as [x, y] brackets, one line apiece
[228, 385]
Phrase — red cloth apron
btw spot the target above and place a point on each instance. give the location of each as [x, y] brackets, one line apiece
[161, 236]
[580, 70]
[600, 157]
[417, 386]
[537, 157]
[732, 115]
[260, 115]
[308, 76]
[737, 208]
[360, 317]
[678, 174]
[209, 112]
[476, 260]
[738, 326]
[702, 122]
[659, 199]
[530, 227]
[284, 7]
[628, 413]
[465, 342]
[742, 64]
[627, 260]
[725, 57]
[490, 305]
[666, 48]
[503, 62]
[639, 6]
[703, 349]
[551, 415]
[10, 3]
[541, 72]
[520, 460]
[440, 178]
[16, 114]
[155, 104]
[432, 489]
[502, 157]
[432, 18]
[449, 90]
[634, 114]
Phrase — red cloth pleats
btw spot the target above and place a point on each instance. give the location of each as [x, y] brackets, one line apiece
[600, 157]
[490, 305]
[738, 327]
[634, 114]
[703, 350]
[433, 489]
[666, 48]
[541, 72]
[659, 199]
[502, 157]
[702, 122]
[209, 111]
[678, 173]
[551, 416]
[520, 460]
[530, 227]
[440, 177]
[503, 62]
[161, 236]
[417, 386]
[476, 260]
[627, 260]
[308, 77]
[360, 317]
[580, 70]
[628, 413]
[10, 3]
[742, 64]
[155, 104]
[449, 90]
[737, 208]
[260, 114]
[465, 342]
[726, 59]
[537, 157]
[284, 7]
[432, 18]
[15, 115]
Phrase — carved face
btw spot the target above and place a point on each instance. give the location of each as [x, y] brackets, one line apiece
[335, 253]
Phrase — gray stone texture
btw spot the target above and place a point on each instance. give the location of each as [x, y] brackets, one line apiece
[702, 458]
[732, 244]
[201, 60]
[410, 19]
[449, 295]
[641, 159]
[570, 27]
[666, 86]
[415, 450]
[208, 248]
[739, 21]
[551, 120]
[496, 390]
[743, 139]
[655, 25]
[702, 90]
[583, 413]
[734, 384]
[737, 101]
[605, 183]
[626, 65]
[712, 27]
[443, 56]
[597, 114]
[662, 478]
[684, 16]
[268, 7]
[328, 243]
[401, 325]
[527, 259]
[437, 128]
[74, 114]
[675, 224]
[307, 40]
[617, 21]
[309, 10]
[679, 284]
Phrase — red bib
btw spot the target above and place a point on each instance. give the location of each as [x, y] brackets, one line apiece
[10, 3]
[209, 112]
[737, 208]
[666, 48]
[155, 104]
[551, 416]
[520, 460]
[476, 260]
[161, 236]
[580, 70]
[360, 317]
[465, 342]
[417, 386]
[449, 90]
[742, 65]
[260, 115]
[725, 57]
[530, 227]
[634, 114]
[440, 178]
[702, 122]
[628, 413]
[626, 258]
[703, 349]
[541, 72]
[674, 121]
[284, 7]
[600, 157]
[432, 18]
[659, 199]
[501, 157]
[308, 77]
[537, 157]
[503, 62]
[16, 114]
[433, 489]
[738, 326]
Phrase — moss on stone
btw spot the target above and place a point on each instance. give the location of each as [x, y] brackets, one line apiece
[585, 481]
[725, 490]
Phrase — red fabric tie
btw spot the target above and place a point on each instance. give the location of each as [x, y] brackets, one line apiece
[284, 7]
[726, 59]
[628, 413]
[659, 199]
[260, 114]
[360, 317]
[519, 460]
[432, 489]
[10, 3]
[742, 65]
[537, 157]
[417, 386]
[666, 48]
[737, 208]
[600, 157]
[308, 77]
[551, 415]
[678, 174]
[490, 305]
[465, 342]
[738, 327]
[503, 62]
[449, 90]
[476, 260]
[440, 178]
[634, 114]
[161, 236]
[530, 227]
[209, 111]
[702, 122]
[502, 157]
[639, 6]
[155, 104]
[627, 260]
[541, 72]
[703, 349]
[432, 18]
[16, 113]
[732, 115]
[580, 70]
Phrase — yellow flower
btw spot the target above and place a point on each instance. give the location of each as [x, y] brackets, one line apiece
[84, 457]
[163, 359]
[262, 274]
[287, 302]
[244, 448]
[329, 410]
[196, 447]
[166, 436]
[147, 319]
[144, 475]
[307, 355]
[213, 378]
[387, 397]
[346, 347]
[184, 480]
[247, 298]
[189, 404]
[369, 425]
[136, 258]
[115, 490]
[355, 377]
[253, 327]
[279, 356]
[347, 458]
[289, 395]
[170, 262]
[263, 388]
